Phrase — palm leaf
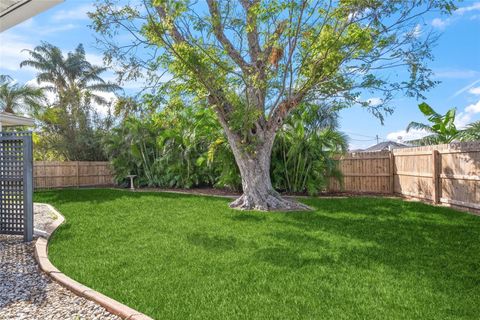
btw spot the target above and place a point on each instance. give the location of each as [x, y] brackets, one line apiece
[419, 126]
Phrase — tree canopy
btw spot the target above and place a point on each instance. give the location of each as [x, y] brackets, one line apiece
[70, 125]
[16, 97]
[254, 62]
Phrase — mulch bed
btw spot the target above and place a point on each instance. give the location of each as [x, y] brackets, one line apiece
[230, 193]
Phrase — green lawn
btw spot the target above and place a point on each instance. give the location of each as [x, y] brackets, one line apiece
[190, 257]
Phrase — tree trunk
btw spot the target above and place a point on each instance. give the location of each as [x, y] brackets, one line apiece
[258, 193]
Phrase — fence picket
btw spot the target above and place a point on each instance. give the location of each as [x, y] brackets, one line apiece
[57, 174]
[447, 173]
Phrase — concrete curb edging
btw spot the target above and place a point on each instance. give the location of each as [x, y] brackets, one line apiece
[111, 305]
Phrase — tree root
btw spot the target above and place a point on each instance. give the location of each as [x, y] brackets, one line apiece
[273, 201]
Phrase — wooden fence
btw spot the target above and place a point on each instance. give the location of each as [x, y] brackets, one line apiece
[448, 174]
[58, 174]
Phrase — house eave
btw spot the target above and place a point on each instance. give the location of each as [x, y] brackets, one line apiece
[22, 10]
[11, 120]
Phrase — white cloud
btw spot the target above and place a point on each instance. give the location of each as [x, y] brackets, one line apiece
[24, 36]
[465, 117]
[474, 90]
[402, 135]
[462, 119]
[54, 29]
[49, 95]
[375, 101]
[473, 7]
[473, 108]
[95, 59]
[111, 99]
[11, 51]
[440, 23]
[78, 13]
[456, 74]
[417, 31]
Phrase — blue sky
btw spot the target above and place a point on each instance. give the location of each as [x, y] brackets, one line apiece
[456, 65]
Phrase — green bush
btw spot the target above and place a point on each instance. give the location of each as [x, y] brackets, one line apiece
[184, 147]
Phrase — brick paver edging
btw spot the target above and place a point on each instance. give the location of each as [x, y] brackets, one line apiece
[112, 306]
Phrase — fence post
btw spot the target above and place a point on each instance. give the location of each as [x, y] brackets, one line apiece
[392, 171]
[78, 174]
[435, 177]
[28, 186]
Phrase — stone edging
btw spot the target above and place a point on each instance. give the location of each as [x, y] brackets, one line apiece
[112, 306]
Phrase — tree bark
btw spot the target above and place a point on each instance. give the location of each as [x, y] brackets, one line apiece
[258, 193]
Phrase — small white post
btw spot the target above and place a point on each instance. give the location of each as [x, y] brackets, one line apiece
[132, 186]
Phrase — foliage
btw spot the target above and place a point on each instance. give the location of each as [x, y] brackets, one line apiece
[132, 149]
[255, 62]
[172, 148]
[185, 147]
[15, 97]
[71, 127]
[442, 128]
[186, 136]
[352, 258]
[304, 152]
[471, 132]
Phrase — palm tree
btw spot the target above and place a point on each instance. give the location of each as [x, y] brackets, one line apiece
[69, 121]
[70, 77]
[442, 128]
[15, 97]
[471, 132]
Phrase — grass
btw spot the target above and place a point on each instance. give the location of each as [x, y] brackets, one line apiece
[177, 256]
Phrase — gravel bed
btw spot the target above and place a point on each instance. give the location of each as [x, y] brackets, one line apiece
[28, 293]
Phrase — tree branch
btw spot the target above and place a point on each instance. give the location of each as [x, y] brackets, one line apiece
[218, 30]
[252, 30]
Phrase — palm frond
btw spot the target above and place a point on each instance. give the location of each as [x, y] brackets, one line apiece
[418, 126]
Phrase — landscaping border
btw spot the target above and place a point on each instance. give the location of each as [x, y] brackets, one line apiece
[111, 305]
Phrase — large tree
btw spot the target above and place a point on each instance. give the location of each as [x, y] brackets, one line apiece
[70, 124]
[256, 61]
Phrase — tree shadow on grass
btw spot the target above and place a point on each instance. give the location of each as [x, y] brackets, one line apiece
[212, 243]
[98, 196]
[287, 258]
[300, 238]
[248, 217]
[439, 244]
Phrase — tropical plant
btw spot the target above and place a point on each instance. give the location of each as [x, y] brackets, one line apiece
[132, 149]
[168, 149]
[441, 129]
[70, 125]
[303, 157]
[184, 147]
[471, 132]
[15, 97]
[257, 61]
[186, 136]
